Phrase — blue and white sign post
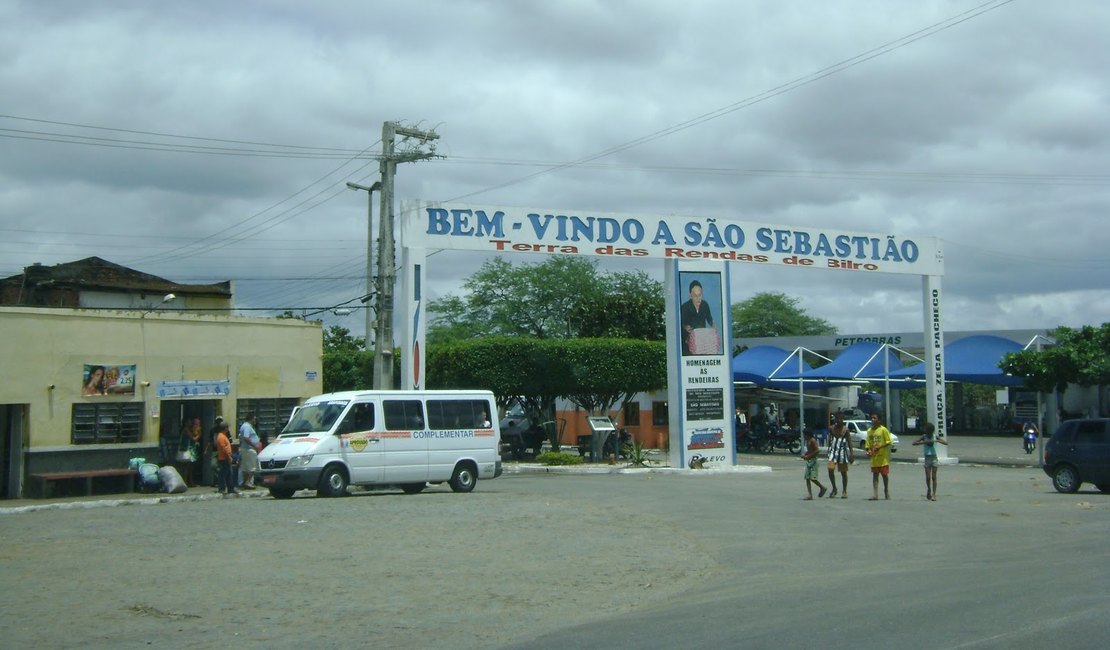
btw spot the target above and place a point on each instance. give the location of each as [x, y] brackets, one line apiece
[699, 377]
[705, 250]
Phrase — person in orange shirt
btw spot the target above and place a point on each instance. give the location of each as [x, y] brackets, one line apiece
[223, 461]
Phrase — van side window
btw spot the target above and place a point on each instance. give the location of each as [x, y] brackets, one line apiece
[457, 413]
[359, 418]
[403, 414]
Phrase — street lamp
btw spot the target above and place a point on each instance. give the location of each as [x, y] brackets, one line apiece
[166, 298]
[369, 249]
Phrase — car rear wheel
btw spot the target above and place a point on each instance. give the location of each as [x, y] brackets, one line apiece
[413, 488]
[1065, 479]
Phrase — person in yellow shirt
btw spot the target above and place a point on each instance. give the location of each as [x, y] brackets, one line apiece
[878, 448]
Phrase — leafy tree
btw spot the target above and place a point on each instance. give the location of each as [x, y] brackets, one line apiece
[345, 364]
[593, 373]
[340, 339]
[605, 372]
[529, 300]
[627, 306]
[1080, 356]
[770, 313]
[563, 297]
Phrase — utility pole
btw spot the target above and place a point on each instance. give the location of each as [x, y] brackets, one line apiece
[383, 346]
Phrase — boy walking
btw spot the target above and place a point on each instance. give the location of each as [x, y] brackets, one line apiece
[930, 440]
[810, 457]
[878, 448]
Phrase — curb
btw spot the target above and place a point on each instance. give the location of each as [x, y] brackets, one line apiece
[111, 503]
[536, 468]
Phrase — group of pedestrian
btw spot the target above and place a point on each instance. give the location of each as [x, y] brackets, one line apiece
[841, 454]
[231, 468]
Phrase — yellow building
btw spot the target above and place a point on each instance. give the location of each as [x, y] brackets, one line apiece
[91, 388]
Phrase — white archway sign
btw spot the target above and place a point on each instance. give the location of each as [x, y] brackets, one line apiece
[699, 254]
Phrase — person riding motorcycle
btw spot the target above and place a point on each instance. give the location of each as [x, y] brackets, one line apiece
[1029, 436]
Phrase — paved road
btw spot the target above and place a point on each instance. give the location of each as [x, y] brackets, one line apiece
[645, 560]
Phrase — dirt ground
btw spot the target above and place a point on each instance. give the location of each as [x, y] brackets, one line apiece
[371, 570]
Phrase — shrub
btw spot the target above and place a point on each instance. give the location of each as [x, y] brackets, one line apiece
[558, 458]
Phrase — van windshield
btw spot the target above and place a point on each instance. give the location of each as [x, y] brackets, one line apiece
[315, 417]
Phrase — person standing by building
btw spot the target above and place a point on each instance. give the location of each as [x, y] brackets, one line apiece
[878, 448]
[930, 440]
[249, 446]
[840, 454]
[223, 461]
[209, 462]
[810, 457]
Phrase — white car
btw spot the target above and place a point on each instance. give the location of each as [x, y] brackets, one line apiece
[857, 430]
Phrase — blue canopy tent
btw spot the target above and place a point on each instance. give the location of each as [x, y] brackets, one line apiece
[973, 360]
[763, 364]
[861, 362]
[766, 365]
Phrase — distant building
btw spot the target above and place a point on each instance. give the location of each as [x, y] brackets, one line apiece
[95, 283]
[103, 368]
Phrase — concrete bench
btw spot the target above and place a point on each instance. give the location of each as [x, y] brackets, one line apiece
[47, 479]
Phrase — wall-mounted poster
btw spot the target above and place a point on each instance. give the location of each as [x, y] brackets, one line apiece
[103, 379]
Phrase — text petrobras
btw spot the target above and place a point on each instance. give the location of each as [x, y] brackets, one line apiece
[507, 230]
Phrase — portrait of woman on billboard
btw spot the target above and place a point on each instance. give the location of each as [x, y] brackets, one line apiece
[700, 335]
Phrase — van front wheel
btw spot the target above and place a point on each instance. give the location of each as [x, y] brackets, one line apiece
[464, 478]
[333, 483]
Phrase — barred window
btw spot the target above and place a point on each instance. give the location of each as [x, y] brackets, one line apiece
[659, 413]
[107, 423]
[273, 413]
[632, 414]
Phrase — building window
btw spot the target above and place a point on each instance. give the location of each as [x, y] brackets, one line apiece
[107, 423]
[659, 413]
[273, 414]
[632, 414]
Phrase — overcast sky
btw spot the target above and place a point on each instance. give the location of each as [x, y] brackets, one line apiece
[208, 140]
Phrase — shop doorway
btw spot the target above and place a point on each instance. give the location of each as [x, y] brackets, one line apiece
[12, 419]
[176, 414]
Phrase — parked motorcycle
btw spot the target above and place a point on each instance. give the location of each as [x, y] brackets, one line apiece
[625, 442]
[788, 439]
[758, 437]
[1029, 440]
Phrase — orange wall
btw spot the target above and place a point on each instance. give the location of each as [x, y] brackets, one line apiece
[647, 434]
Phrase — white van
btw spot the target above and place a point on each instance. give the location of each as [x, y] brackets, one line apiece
[402, 438]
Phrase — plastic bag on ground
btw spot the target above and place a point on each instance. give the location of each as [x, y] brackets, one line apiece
[171, 480]
[149, 481]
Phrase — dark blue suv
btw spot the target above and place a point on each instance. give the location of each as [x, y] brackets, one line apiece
[1079, 452]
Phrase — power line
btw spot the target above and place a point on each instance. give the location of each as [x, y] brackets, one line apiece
[183, 251]
[174, 135]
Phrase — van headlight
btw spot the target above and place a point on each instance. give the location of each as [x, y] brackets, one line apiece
[299, 461]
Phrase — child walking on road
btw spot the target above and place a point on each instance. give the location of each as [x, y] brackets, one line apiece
[878, 448]
[930, 440]
[810, 457]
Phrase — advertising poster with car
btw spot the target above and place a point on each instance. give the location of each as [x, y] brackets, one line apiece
[700, 369]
